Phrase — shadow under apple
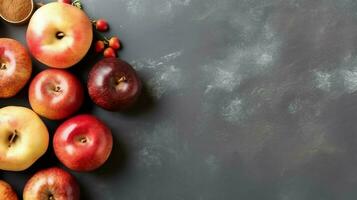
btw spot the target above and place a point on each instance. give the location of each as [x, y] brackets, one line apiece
[117, 161]
[145, 104]
[116, 164]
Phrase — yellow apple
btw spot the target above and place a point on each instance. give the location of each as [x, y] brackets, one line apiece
[59, 35]
[23, 138]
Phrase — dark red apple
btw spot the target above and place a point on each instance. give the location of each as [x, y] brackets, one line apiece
[51, 184]
[15, 67]
[83, 143]
[113, 84]
[55, 94]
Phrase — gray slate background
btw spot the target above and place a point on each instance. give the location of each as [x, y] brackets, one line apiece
[244, 99]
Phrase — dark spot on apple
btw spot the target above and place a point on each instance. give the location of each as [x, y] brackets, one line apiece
[60, 35]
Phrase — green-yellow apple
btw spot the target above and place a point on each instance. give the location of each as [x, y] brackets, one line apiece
[59, 35]
[6, 191]
[23, 138]
[15, 67]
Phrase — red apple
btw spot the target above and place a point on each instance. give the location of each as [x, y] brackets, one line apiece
[55, 94]
[83, 143]
[6, 191]
[15, 67]
[113, 84]
[59, 35]
[51, 184]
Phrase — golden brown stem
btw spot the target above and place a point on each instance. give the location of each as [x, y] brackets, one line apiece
[121, 79]
[57, 89]
[13, 138]
[83, 140]
[3, 66]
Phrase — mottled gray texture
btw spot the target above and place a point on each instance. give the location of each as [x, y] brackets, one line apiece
[244, 99]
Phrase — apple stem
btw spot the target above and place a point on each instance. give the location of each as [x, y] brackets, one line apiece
[121, 79]
[57, 89]
[60, 35]
[13, 137]
[3, 66]
[83, 140]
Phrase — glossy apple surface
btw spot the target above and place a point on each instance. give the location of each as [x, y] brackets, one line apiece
[59, 35]
[15, 67]
[113, 84]
[6, 191]
[83, 143]
[55, 94]
[23, 138]
[51, 184]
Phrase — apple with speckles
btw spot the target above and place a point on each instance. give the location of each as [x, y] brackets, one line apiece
[6, 191]
[15, 67]
[51, 184]
[55, 94]
[59, 35]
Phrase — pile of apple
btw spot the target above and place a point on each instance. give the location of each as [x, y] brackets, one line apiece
[59, 35]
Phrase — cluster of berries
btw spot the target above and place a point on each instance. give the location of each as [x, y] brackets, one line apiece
[109, 47]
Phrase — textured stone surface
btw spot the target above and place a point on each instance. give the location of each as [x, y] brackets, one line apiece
[244, 99]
